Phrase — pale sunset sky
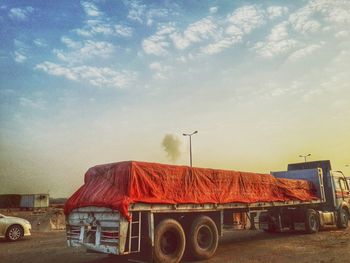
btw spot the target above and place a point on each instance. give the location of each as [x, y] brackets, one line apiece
[90, 82]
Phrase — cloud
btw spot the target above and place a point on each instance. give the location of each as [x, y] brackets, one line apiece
[70, 43]
[274, 48]
[336, 11]
[155, 13]
[155, 45]
[213, 9]
[158, 43]
[21, 51]
[340, 15]
[20, 14]
[7, 92]
[99, 27]
[342, 34]
[304, 19]
[19, 57]
[276, 11]
[301, 23]
[278, 32]
[277, 42]
[19, 44]
[40, 42]
[80, 51]
[29, 103]
[211, 36]
[220, 45]
[300, 53]
[160, 71]
[57, 70]
[246, 19]
[335, 78]
[136, 11]
[239, 23]
[94, 27]
[195, 32]
[96, 76]
[90, 9]
[155, 66]
[142, 14]
[185, 58]
[123, 30]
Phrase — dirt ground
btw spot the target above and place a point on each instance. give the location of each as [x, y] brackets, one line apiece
[237, 246]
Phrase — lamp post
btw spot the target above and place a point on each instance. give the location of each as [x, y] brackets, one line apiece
[190, 135]
[304, 156]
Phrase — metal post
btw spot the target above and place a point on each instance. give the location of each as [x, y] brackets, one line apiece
[190, 135]
[191, 151]
[304, 156]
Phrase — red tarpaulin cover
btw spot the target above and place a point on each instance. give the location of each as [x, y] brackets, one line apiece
[116, 185]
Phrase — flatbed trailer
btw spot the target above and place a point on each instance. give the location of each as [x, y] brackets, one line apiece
[164, 232]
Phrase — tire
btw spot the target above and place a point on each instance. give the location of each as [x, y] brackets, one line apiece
[270, 230]
[203, 238]
[312, 222]
[343, 219]
[268, 219]
[14, 233]
[169, 242]
[271, 225]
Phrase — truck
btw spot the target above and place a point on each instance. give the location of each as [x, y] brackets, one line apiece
[106, 218]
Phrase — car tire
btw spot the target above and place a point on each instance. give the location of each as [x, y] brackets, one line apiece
[169, 242]
[203, 238]
[14, 233]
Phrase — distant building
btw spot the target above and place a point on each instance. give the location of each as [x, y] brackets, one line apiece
[27, 201]
[34, 201]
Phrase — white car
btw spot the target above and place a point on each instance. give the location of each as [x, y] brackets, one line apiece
[14, 228]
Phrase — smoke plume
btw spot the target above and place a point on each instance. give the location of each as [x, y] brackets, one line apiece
[171, 145]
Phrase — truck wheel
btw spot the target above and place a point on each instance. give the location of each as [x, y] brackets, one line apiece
[343, 219]
[271, 225]
[271, 229]
[267, 219]
[14, 233]
[312, 223]
[203, 238]
[169, 242]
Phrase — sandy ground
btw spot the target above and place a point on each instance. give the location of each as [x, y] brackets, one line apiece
[237, 246]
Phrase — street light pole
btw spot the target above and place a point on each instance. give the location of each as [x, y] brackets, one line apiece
[304, 156]
[190, 135]
[191, 151]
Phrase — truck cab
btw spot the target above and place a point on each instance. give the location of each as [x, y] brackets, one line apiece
[336, 187]
[341, 191]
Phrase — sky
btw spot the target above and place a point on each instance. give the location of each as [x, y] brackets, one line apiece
[90, 82]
